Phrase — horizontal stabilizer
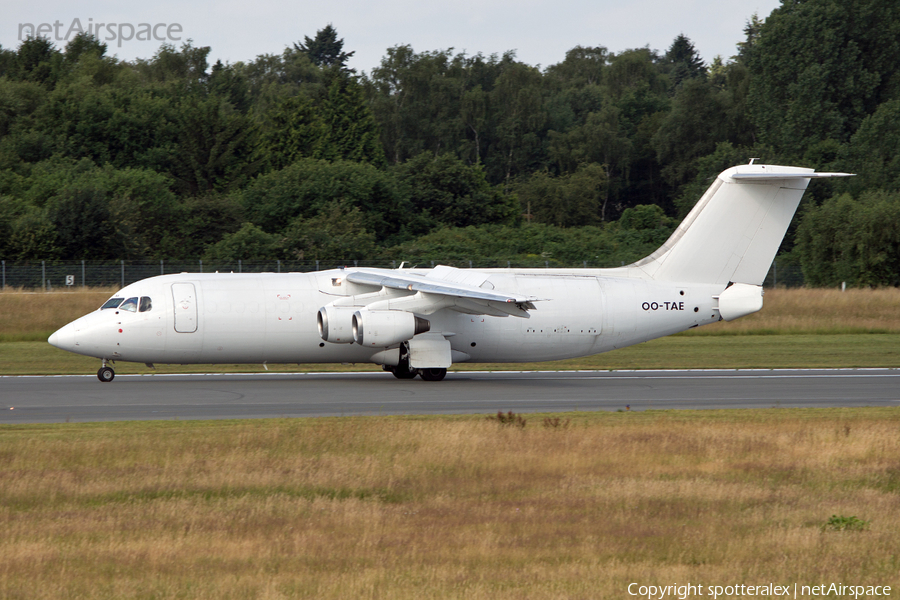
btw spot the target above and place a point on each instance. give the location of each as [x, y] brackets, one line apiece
[751, 176]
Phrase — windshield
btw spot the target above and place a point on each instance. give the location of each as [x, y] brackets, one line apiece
[146, 304]
[129, 305]
[112, 303]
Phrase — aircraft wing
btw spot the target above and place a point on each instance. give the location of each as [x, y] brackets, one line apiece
[441, 293]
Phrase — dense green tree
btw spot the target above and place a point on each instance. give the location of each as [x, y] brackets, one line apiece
[697, 121]
[293, 130]
[569, 200]
[83, 45]
[444, 191]
[249, 243]
[185, 67]
[683, 61]
[95, 212]
[33, 236]
[520, 121]
[416, 99]
[203, 221]
[873, 151]
[304, 188]
[852, 241]
[216, 147]
[326, 50]
[39, 61]
[84, 224]
[751, 34]
[350, 128]
[338, 232]
[819, 67]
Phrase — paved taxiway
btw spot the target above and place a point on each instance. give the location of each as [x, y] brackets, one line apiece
[141, 397]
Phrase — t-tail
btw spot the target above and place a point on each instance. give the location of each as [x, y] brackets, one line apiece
[732, 234]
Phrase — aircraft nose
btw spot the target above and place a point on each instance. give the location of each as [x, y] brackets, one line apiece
[63, 338]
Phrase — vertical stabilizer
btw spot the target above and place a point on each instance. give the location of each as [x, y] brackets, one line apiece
[734, 231]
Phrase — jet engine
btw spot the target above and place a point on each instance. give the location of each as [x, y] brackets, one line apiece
[383, 328]
[336, 324]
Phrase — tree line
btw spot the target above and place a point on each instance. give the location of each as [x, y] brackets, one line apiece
[441, 154]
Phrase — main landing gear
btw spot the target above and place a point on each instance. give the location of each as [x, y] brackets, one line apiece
[404, 371]
[106, 373]
[432, 374]
[425, 374]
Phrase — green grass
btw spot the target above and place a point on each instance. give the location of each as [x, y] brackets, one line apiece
[674, 352]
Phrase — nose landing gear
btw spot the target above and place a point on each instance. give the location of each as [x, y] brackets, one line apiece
[106, 373]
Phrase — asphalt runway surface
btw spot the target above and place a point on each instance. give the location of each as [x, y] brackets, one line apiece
[271, 395]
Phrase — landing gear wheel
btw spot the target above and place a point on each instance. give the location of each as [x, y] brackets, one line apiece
[106, 374]
[403, 373]
[432, 374]
[403, 370]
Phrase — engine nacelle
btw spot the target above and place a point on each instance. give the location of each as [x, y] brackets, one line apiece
[383, 328]
[336, 324]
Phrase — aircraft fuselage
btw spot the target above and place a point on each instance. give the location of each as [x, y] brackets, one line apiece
[271, 318]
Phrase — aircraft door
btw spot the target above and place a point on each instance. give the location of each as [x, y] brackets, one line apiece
[185, 297]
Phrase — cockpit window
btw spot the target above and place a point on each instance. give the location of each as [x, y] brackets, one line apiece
[112, 303]
[130, 305]
[146, 304]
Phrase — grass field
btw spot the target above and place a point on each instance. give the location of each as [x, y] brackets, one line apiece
[796, 328]
[450, 507]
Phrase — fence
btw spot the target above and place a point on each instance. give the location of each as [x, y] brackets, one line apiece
[53, 275]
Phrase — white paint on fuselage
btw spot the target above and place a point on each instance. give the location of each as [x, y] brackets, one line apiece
[271, 317]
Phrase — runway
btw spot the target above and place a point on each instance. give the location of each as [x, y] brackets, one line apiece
[270, 395]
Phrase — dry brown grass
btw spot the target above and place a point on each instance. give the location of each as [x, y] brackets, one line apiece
[818, 311]
[35, 315]
[451, 507]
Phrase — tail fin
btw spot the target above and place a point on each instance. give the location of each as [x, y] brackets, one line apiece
[734, 231]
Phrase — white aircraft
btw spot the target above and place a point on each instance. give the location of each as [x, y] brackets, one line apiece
[420, 321]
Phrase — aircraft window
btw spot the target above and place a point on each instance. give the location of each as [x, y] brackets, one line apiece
[145, 304]
[130, 305]
[112, 303]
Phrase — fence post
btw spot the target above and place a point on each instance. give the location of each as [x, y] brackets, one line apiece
[279, 266]
[774, 273]
[123, 273]
[43, 276]
[161, 271]
[201, 265]
[83, 281]
[4, 274]
[317, 264]
[239, 265]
